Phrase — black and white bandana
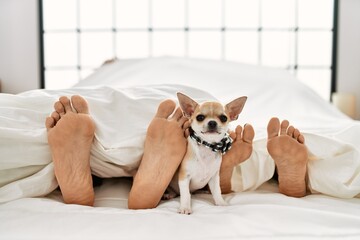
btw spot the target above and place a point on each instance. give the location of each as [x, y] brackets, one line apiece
[223, 146]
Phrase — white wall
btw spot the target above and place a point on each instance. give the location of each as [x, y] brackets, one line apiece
[19, 48]
[348, 75]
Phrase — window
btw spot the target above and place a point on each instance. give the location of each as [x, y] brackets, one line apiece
[297, 35]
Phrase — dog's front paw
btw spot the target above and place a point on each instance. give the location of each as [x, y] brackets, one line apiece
[186, 211]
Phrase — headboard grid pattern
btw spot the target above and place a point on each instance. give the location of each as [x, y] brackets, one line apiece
[290, 34]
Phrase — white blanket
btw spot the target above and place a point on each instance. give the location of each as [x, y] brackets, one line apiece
[121, 117]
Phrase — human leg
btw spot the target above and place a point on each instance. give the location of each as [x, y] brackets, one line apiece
[70, 135]
[333, 167]
[286, 146]
[164, 149]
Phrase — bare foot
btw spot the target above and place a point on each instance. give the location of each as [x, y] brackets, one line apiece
[165, 146]
[70, 135]
[240, 151]
[286, 146]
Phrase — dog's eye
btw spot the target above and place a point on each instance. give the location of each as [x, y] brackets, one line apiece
[200, 117]
[223, 118]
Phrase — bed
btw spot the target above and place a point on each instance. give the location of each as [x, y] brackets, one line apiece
[255, 213]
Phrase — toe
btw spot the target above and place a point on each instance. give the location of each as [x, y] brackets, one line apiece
[178, 114]
[238, 133]
[273, 127]
[296, 134]
[284, 126]
[290, 131]
[49, 123]
[59, 108]
[66, 103]
[232, 134]
[301, 139]
[186, 133]
[80, 104]
[186, 125]
[248, 134]
[165, 109]
[55, 116]
[182, 121]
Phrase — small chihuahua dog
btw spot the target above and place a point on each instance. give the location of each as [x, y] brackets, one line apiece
[207, 142]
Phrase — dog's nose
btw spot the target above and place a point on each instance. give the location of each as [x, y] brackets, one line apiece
[212, 125]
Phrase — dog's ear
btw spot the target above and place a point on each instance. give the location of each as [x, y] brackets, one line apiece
[187, 104]
[234, 108]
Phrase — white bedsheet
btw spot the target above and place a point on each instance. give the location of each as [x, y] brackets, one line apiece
[259, 214]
